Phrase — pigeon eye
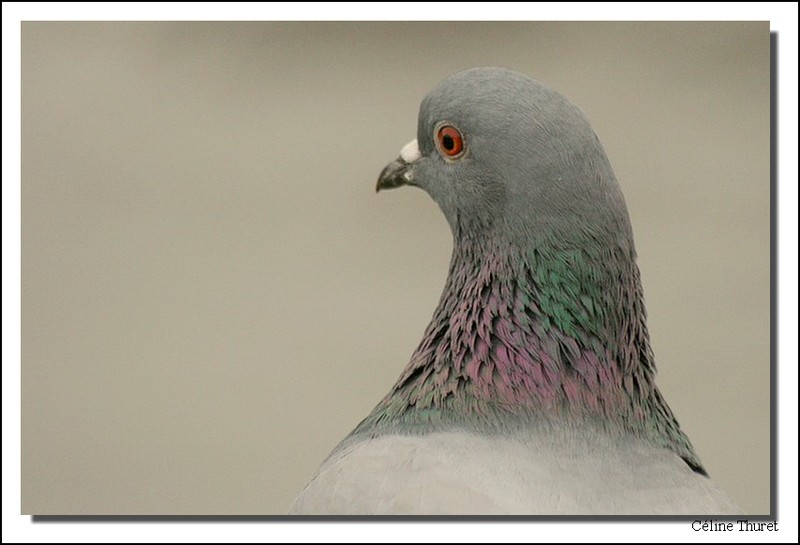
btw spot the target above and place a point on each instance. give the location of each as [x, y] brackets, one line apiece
[450, 141]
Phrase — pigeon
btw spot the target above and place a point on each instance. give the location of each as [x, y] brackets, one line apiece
[532, 390]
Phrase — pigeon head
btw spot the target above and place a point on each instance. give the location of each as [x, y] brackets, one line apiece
[506, 157]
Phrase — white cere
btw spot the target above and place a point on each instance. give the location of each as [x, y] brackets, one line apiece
[410, 152]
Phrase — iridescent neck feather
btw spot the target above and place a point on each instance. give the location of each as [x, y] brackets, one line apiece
[551, 333]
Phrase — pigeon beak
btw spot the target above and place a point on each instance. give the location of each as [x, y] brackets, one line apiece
[400, 172]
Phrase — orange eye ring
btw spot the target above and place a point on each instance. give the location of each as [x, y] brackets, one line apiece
[450, 141]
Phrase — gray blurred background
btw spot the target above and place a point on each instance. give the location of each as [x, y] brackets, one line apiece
[214, 295]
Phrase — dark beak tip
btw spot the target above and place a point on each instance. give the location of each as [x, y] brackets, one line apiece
[395, 174]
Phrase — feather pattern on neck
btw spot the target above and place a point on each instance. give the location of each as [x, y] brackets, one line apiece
[552, 333]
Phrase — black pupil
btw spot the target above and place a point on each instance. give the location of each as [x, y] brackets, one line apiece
[447, 142]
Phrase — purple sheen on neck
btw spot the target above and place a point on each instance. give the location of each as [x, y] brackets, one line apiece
[487, 341]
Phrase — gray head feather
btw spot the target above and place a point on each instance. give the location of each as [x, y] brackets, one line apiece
[532, 167]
